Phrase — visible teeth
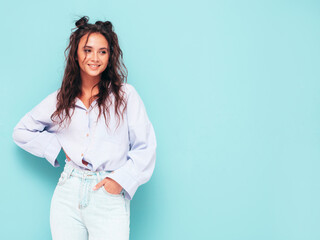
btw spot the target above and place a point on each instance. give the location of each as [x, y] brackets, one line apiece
[93, 65]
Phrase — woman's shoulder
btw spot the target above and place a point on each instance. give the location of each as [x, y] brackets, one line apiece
[127, 87]
[50, 100]
[46, 105]
[132, 94]
[52, 97]
[54, 94]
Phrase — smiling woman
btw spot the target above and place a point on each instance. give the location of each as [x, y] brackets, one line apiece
[93, 57]
[102, 125]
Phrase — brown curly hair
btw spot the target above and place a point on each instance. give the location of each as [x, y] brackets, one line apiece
[112, 78]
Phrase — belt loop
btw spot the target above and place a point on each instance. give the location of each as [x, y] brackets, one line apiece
[69, 170]
[99, 176]
[84, 175]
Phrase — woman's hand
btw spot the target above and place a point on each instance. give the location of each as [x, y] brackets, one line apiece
[110, 185]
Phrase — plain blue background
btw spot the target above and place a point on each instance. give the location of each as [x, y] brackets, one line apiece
[232, 89]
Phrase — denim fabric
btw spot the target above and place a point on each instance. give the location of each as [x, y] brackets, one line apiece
[79, 213]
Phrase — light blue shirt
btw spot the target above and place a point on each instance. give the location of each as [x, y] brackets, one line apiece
[129, 150]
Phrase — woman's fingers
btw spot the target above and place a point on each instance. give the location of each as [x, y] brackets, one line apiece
[109, 185]
[99, 185]
[112, 190]
[112, 186]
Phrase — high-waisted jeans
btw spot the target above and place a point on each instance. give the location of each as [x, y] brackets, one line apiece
[78, 212]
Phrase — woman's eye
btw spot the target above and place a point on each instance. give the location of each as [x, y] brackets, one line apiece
[89, 50]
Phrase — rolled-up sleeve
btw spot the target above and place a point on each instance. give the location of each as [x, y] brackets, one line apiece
[32, 133]
[142, 153]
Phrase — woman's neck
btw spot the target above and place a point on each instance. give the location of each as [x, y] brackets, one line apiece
[89, 85]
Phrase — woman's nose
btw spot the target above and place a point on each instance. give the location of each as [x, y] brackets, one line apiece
[95, 56]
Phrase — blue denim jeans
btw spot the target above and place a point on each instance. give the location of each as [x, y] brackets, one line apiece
[79, 213]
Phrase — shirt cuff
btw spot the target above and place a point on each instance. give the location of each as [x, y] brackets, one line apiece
[52, 151]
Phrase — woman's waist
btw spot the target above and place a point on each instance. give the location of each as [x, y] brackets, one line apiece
[73, 169]
[96, 164]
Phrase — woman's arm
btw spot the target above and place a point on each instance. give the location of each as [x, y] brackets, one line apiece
[142, 154]
[33, 134]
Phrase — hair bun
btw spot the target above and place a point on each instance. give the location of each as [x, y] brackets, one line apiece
[82, 22]
[106, 24]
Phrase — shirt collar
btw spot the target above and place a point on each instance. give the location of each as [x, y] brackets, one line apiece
[80, 104]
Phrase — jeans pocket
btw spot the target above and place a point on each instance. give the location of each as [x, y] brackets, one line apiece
[110, 194]
[63, 178]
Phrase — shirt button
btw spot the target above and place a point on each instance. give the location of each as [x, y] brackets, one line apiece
[81, 154]
[86, 112]
[87, 134]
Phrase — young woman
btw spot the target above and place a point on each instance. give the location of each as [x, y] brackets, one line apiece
[101, 123]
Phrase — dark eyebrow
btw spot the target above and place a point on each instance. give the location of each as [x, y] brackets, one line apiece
[99, 49]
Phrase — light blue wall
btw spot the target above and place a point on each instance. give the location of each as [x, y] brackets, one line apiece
[232, 89]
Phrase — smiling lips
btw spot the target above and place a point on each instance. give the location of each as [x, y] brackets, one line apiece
[93, 67]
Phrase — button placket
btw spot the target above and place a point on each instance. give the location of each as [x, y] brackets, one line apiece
[88, 129]
[88, 133]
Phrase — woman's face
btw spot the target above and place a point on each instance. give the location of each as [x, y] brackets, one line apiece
[93, 58]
